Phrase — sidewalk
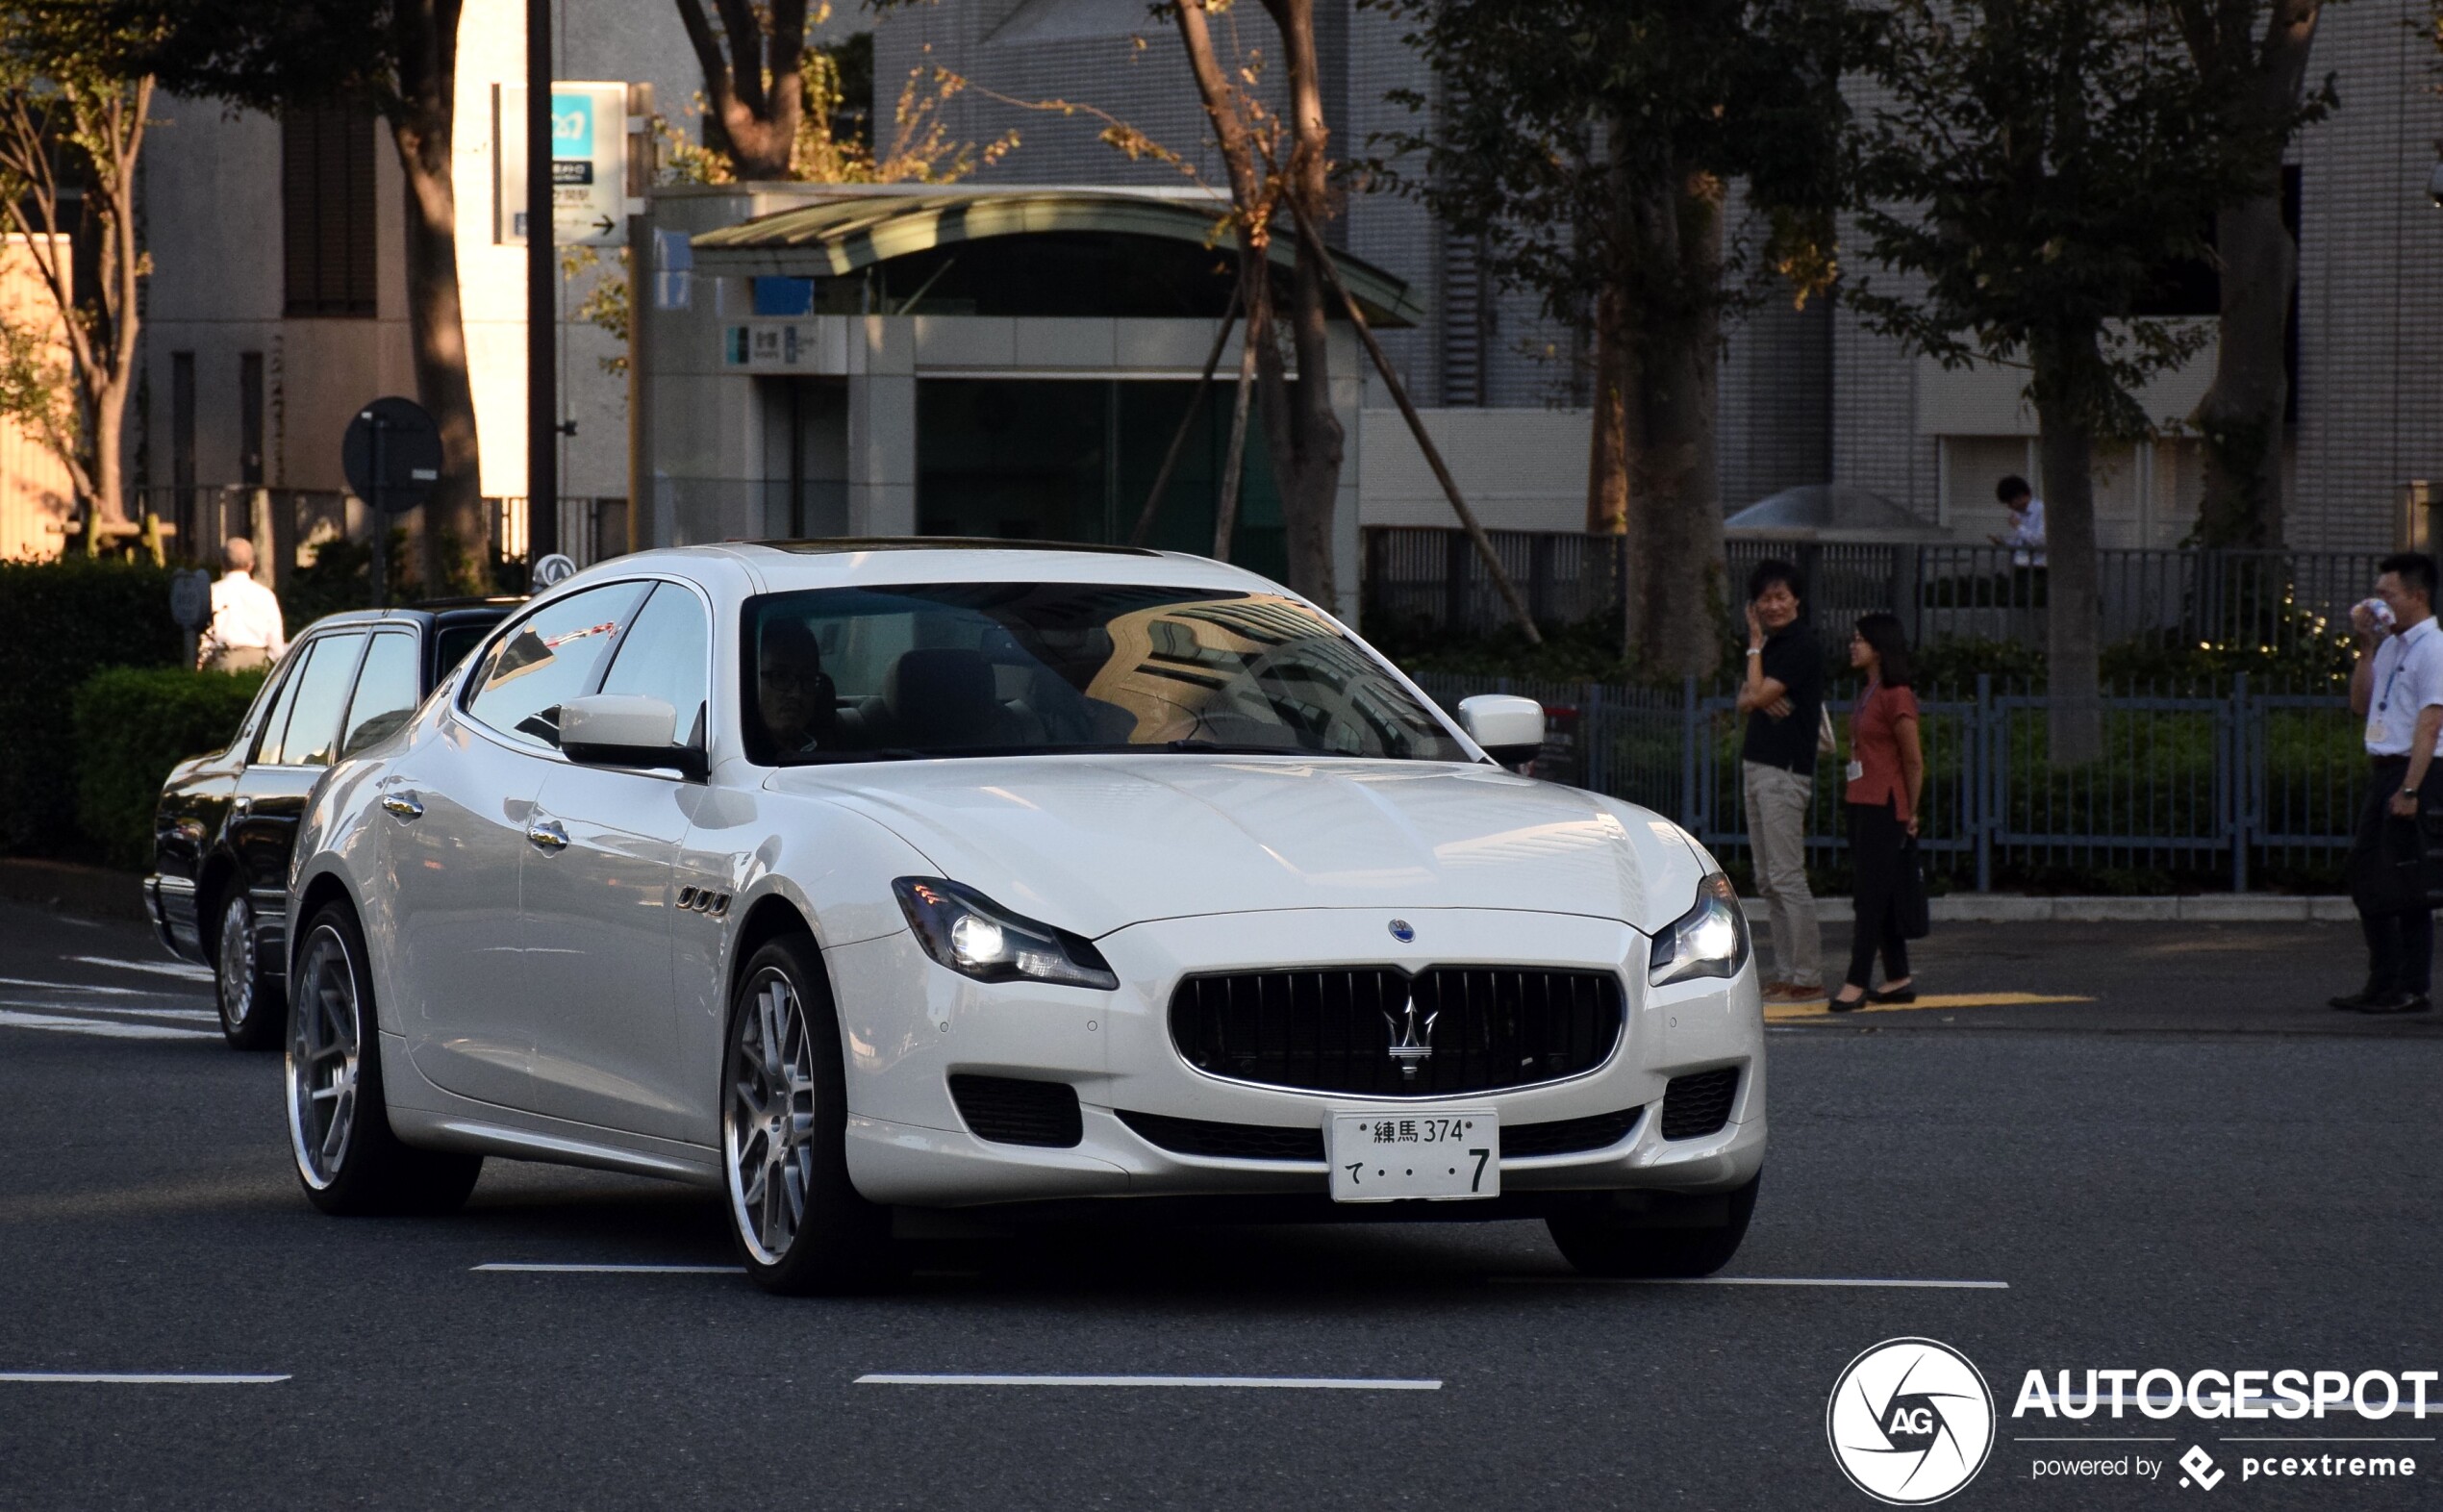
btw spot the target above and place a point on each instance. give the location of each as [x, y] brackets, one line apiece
[2008, 908]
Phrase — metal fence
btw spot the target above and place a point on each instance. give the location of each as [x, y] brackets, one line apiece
[2238, 782]
[2268, 599]
[196, 522]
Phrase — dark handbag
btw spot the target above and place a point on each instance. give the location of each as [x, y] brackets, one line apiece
[1910, 907]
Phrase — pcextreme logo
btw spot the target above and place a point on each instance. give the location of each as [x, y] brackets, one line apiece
[1910, 1422]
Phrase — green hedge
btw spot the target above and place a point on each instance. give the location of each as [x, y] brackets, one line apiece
[133, 725]
[60, 623]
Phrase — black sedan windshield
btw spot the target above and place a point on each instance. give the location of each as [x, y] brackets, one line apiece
[998, 669]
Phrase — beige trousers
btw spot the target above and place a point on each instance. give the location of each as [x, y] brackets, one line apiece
[1778, 834]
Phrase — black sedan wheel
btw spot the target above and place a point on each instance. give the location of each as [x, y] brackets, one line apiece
[247, 997]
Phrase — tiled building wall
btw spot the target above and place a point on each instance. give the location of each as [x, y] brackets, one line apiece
[2371, 281]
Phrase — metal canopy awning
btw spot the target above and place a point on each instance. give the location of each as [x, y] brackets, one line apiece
[842, 236]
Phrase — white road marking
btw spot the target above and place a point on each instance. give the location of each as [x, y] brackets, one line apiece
[587, 1270]
[1746, 1281]
[1289, 1382]
[121, 1379]
[11, 1019]
[122, 1010]
[83, 987]
[180, 969]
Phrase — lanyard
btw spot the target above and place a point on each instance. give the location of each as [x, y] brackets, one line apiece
[2393, 676]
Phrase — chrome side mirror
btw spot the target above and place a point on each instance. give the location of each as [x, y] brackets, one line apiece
[1509, 728]
[624, 730]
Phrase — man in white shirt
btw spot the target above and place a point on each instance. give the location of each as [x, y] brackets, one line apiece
[2027, 521]
[2398, 687]
[246, 629]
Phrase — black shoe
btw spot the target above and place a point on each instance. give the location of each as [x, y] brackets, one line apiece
[2398, 1002]
[2351, 1002]
[1906, 995]
[1837, 1005]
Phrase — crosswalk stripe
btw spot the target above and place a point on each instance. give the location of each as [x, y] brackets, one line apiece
[83, 987]
[14, 1020]
[180, 969]
[116, 1010]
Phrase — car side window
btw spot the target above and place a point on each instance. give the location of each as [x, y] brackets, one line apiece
[309, 733]
[386, 692]
[663, 655]
[284, 695]
[547, 659]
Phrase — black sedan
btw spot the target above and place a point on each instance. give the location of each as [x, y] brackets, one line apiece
[226, 821]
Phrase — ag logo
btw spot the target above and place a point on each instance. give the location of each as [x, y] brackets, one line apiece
[1910, 1422]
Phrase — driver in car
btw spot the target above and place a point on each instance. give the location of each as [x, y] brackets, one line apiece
[800, 704]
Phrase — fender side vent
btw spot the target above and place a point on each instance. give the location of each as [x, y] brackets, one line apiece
[1007, 1110]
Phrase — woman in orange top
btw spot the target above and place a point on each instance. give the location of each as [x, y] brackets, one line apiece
[1887, 772]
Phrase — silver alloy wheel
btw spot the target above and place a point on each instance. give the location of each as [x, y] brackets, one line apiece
[237, 962]
[324, 1032]
[768, 1125]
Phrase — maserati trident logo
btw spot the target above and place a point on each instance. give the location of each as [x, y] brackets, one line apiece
[1401, 931]
[1411, 1040]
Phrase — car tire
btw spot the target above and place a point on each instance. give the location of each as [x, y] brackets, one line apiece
[1641, 1248]
[247, 997]
[348, 1159]
[799, 1223]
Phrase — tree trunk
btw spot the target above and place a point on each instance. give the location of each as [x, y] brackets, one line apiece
[1607, 451]
[2241, 416]
[1306, 461]
[2069, 380]
[753, 97]
[1677, 571]
[2256, 80]
[456, 534]
[1308, 465]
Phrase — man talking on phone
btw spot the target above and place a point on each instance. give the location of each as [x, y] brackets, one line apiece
[2398, 687]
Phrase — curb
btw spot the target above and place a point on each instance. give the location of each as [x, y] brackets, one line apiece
[2004, 908]
[68, 887]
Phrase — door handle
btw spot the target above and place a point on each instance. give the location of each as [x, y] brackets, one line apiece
[547, 834]
[402, 805]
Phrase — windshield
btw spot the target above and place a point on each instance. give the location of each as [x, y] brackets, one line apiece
[1002, 668]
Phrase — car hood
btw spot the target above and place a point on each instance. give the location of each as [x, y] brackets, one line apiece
[1093, 843]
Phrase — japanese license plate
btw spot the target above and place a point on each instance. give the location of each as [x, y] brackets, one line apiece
[1384, 1154]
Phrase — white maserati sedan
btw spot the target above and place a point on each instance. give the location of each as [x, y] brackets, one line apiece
[868, 881]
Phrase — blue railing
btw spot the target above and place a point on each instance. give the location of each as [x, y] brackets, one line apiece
[2228, 781]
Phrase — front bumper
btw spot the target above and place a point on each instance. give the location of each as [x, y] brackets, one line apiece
[910, 1024]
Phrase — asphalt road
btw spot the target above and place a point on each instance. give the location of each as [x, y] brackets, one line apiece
[2199, 1168]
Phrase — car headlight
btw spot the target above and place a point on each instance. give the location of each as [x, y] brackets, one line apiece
[977, 937]
[1709, 939]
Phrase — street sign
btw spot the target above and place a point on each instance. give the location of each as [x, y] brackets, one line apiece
[191, 598]
[589, 164]
[391, 455]
[553, 570]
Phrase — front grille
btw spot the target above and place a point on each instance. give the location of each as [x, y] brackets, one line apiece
[1569, 1136]
[1267, 1142]
[1226, 1141]
[1698, 1103]
[1473, 1028]
[1009, 1110]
